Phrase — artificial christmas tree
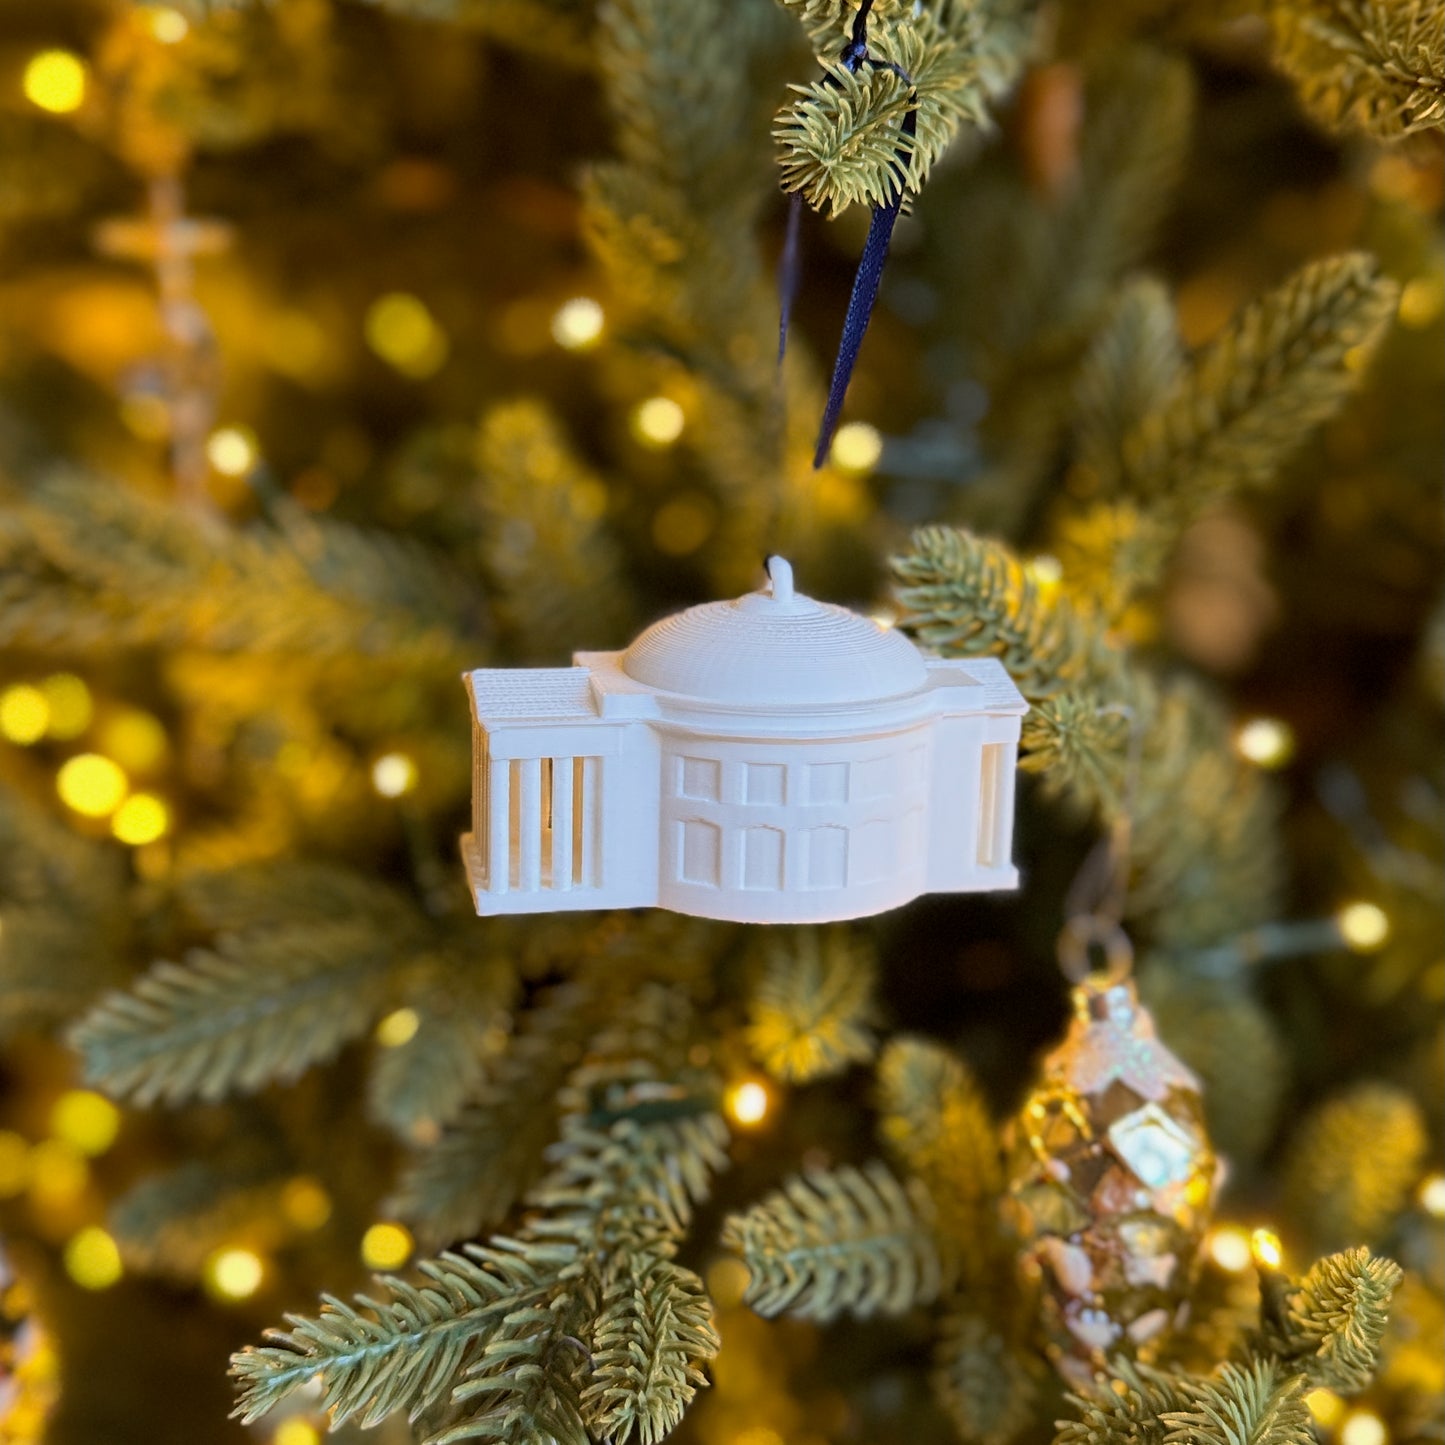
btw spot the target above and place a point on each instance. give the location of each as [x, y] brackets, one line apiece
[354, 343]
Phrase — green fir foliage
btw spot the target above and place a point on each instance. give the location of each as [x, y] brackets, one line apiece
[838, 1241]
[494, 1342]
[841, 140]
[555, 573]
[293, 983]
[1249, 399]
[811, 1009]
[61, 897]
[1376, 66]
[983, 1381]
[1352, 1164]
[1256, 1404]
[1337, 1318]
[1203, 871]
[936, 1122]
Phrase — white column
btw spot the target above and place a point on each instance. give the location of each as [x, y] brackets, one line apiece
[529, 839]
[562, 823]
[499, 818]
[587, 872]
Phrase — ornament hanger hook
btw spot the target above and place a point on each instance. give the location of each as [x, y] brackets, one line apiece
[1079, 938]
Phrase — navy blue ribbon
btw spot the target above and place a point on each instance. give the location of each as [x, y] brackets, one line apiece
[870, 264]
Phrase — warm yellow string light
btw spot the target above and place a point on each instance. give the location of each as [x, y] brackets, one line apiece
[747, 1103]
[1363, 926]
[55, 81]
[386, 1245]
[578, 323]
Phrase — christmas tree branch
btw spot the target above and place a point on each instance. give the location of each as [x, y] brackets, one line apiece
[93, 566]
[934, 1118]
[1280, 369]
[811, 1006]
[841, 140]
[1202, 872]
[556, 574]
[1376, 66]
[839, 1241]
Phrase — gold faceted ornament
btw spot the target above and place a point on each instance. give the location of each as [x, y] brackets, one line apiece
[1111, 1184]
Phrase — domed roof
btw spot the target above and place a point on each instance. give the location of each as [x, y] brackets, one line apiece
[775, 648]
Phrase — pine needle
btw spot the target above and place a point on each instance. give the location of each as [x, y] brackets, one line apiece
[489, 1156]
[982, 1381]
[1253, 395]
[1246, 1405]
[251, 1012]
[1338, 1318]
[1352, 1164]
[401, 1351]
[811, 1007]
[839, 1241]
[1376, 66]
[937, 1123]
[651, 1338]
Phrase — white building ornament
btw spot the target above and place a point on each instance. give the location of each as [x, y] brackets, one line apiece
[767, 760]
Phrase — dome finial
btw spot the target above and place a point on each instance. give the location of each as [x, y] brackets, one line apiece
[780, 574]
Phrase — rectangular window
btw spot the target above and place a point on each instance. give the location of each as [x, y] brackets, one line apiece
[990, 805]
[763, 858]
[700, 853]
[701, 778]
[827, 782]
[763, 783]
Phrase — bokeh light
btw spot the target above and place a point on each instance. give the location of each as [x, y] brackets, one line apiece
[85, 1120]
[141, 819]
[1326, 1407]
[233, 1274]
[727, 1281]
[658, 421]
[403, 333]
[59, 1174]
[71, 705]
[1432, 1196]
[92, 785]
[578, 323]
[1265, 741]
[1421, 301]
[397, 1028]
[167, 25]
[1228, 1247]
[14, 1164]
[747, 1103]
[296, 1432]
[135, 739]
[1363, 926]
[858, 447]
[305, 1202]
[1045, 570]
[24, 714]
[682, 525]
[92, 1259]
[386, 1246]
[1363, 1427]
[393, 774]
[232, 450]
[55, 81]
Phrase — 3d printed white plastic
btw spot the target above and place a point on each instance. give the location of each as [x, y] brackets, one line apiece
[767, 760]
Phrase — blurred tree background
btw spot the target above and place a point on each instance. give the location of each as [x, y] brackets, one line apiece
[347, 345]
